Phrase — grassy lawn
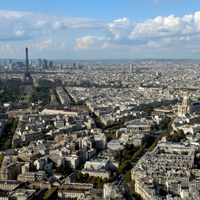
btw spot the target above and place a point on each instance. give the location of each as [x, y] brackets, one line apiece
[27, 94]
[25, 97]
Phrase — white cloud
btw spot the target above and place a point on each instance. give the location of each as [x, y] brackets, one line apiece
[91, 42]
[59, 25]
[158, 27]
[194, 50]
[48, 45]
[154, 2]
[168, 29]
[120, 28]
[41, 23]
[166, 40]
[20, 33]
[188, 18]
[27, 25]
[160, 32]
[62, 46]
[153, 44]
[36, 24]
[7, 48]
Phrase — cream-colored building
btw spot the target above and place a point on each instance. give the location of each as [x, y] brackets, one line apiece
[100, 141]
[82, 186]
[32, 176]
[102, 163]
[71, 194]
[145, 188]
[9, 185]
[11, 171]
[111, 191]
[103, 173]
[23, 194]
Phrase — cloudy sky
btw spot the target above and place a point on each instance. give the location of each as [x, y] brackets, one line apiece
[100, 29]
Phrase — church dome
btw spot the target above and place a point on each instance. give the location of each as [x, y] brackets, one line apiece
[186, 97]
[186, 100]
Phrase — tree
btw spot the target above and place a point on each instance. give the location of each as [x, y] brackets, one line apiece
[124, 152]
[128, 177]
[93, 180]
[181, 132]
[86, 175]
[99, 180]
[100, 186]
[82, 166]
[1, 158]
[123, 159]
[80, 176]
[50, 194]
[184, 153]
[161, 151]
[124, 166]
[16, 146]
[105, 180]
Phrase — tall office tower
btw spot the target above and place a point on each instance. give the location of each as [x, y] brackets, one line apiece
[4, 63]
[158, 74]
[74, 65]
[9, 61]
[38, 62]
[60, 66]
[19, 65]
[45, 64]
[30, 64]
[50, 64]
[42, 66]
[11, 66]
[131, 68]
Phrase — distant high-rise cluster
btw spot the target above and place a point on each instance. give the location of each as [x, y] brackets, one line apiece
[8, 64]
[43, 64]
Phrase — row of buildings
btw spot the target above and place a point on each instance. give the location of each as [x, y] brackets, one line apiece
[170, 167]
[52, 122]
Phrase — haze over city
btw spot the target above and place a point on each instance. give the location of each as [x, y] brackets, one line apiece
[100, 29]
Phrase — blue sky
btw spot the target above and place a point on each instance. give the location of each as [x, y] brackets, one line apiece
[99, 29]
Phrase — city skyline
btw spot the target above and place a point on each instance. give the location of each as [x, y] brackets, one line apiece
[100, 30]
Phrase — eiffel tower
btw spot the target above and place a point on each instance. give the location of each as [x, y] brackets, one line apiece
[27, 83]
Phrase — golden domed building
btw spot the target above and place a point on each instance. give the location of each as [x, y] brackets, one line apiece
[186, 107]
